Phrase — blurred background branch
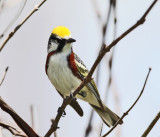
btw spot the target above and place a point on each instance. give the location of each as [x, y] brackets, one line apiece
[112, 5]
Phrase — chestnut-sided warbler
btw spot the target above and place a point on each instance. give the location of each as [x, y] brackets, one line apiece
[66, 71]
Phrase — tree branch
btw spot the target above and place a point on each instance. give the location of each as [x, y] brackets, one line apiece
[13, 130]
[154, 121]
[4, 76]
[20, 122]
[88, 78]
[23, 21]
[126, 113]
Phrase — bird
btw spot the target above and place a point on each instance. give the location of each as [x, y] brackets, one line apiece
[66, 71]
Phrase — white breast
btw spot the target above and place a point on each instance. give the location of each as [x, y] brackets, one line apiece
[60, 74]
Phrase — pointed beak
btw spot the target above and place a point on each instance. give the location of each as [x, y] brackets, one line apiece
[70, 40]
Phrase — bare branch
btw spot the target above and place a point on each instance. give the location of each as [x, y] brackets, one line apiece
[23, 21]
[13, 130]
[126, 113]
[88, 78]
[154, 121]
[20, 122]
[4, 76]
[15, 18]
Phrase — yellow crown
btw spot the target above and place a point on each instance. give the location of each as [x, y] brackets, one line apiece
[61, 31]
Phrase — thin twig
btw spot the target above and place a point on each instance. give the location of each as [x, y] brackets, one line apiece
[20, 122]
[13, 130]
[15, 17]
[4, 76]
[23, 21]
[154, 121]
[126, 113]
[88, 78]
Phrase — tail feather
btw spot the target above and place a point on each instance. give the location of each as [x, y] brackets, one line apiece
[108, 117]
[75, 105]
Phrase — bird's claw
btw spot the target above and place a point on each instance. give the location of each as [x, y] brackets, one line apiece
[65, 99]
[73, 98]
[61, 111]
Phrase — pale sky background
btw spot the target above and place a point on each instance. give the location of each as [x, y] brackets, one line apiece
[26, 82]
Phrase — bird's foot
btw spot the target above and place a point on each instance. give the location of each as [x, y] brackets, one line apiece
[73, 98]
[61, 111]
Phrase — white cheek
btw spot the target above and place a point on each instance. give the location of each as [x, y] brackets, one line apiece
[53, 46]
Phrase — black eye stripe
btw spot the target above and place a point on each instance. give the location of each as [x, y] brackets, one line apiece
[61, 45]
